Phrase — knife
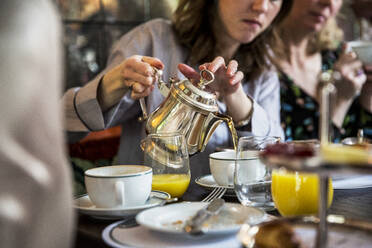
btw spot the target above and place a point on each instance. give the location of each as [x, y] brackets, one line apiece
[194, 225]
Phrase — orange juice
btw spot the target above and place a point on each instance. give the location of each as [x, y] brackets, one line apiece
[297, 193]
[174, 184]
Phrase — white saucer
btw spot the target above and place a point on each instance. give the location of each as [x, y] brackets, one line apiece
[84, 205]
[209, 183]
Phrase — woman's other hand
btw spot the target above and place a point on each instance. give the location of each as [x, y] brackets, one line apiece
[135, 72]
[227, 84]
[227, 77]
[349, 84]
[352, 76]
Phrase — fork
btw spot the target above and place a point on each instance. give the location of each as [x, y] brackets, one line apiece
[215, 193]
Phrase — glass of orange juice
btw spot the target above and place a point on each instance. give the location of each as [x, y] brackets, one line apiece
[297, 193]
[167, 155]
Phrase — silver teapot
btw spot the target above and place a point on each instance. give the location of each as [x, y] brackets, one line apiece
[187, 109]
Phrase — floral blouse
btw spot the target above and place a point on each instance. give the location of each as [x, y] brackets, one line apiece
[300, 116]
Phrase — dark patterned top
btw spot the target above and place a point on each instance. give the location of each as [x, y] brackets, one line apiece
[300, 115]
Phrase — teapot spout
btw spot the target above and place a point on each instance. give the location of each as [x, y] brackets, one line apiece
[211, 123]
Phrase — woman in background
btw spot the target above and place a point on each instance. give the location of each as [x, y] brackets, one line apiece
[313, 44]
[227, 33]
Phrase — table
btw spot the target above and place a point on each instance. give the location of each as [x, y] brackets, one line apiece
[355, 203]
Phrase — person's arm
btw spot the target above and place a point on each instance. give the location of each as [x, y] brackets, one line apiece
[95, 105]
[260, 111]
[135, 73]
[265, 91]
[351, 79]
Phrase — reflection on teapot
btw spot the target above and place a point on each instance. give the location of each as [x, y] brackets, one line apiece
[189, 110]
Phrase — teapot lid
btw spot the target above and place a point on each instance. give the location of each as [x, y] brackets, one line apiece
[196, 95]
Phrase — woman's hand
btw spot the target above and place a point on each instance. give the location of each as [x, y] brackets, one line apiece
[135, 72]
[349, 84]
[227, 84]
[352, 76]
[227, 78]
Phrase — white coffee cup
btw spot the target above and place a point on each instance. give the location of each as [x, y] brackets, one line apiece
[222, 166]
[363, 49]
[118, 185]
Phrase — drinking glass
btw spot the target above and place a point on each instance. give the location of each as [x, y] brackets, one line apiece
[252, 179]
[166, 153]
[296, 194]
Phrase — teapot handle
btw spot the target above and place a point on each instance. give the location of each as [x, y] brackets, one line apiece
[158, 75]
[144, 110]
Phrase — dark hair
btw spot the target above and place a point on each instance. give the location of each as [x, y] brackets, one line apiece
[192, 22]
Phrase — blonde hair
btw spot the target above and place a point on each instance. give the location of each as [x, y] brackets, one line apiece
[330, 37]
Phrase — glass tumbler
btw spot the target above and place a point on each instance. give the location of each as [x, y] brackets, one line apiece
[252, 179]
[167, 155]
[297, 194]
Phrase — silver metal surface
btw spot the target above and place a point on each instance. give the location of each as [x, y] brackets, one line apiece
[327, 90]
[217, 192]
[189, 110]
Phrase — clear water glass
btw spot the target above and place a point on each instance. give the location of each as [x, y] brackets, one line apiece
[252, 179]
[166, 153]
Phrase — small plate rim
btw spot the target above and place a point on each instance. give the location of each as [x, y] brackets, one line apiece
[114, 213]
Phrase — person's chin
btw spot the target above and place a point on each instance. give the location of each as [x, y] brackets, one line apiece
[314, 27]
[245, 39]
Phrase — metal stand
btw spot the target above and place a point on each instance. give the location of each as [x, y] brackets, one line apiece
[322, 231]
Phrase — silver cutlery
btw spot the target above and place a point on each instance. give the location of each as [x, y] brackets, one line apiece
[217, 192]
[165, 198]
[195, 224]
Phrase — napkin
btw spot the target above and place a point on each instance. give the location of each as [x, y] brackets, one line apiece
[353, 182]
[142, 237]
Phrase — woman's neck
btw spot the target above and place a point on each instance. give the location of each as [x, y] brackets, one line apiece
[301, 65]
[226, 48]
[297, 41]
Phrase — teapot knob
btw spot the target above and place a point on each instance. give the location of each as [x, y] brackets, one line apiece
[206, 77]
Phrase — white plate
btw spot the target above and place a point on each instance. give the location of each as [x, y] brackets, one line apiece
[172, 218]
[84, 205]
[140, 236]
[209, 183]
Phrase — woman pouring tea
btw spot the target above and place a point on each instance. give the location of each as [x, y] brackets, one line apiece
[227, 37]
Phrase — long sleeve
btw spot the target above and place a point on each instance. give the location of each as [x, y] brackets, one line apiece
[265, 91]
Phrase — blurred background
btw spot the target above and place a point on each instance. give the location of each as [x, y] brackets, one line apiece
[92, 27]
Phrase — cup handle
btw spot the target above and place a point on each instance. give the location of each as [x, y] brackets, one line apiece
[119, 192]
